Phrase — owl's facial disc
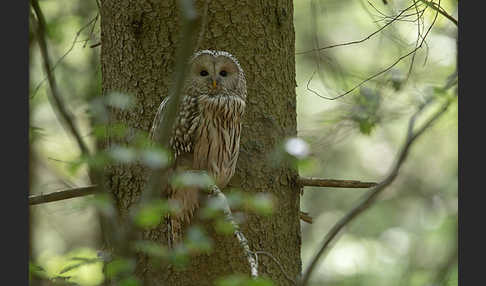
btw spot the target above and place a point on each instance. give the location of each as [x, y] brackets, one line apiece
[216, 74]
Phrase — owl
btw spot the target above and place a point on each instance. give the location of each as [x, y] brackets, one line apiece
[206, 134]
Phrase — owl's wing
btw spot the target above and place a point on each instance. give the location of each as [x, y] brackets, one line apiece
[158, 118]
[185, 125]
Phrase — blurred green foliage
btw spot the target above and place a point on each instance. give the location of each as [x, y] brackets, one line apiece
[409, 237]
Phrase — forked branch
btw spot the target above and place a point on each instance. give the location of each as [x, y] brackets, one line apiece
[371, 196]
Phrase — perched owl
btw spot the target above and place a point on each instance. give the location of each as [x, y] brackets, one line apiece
[206, 134]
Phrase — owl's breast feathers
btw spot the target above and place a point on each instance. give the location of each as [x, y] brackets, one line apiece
[217, 137]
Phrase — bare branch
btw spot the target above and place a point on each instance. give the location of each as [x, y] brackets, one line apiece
[358, 41]
[62, 195]
[382, 71]
[88, 190]
[75, 40]
[305, 217]
[57, 102]
[441, 10]
[318, 182]
[371, 196]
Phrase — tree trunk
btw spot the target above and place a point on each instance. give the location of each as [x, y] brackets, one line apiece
[139, 40]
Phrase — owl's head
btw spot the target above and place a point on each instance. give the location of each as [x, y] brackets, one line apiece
[216, 73]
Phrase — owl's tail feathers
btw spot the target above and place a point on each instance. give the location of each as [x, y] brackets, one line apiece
[174, 228]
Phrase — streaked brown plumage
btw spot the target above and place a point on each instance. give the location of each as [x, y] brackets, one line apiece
[206, 134]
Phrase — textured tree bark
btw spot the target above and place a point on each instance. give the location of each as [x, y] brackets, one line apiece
[139, 39]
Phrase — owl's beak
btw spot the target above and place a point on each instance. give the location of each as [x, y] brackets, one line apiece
[214, 84]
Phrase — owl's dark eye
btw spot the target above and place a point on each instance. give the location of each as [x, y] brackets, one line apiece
[223, 73]
[204, 73]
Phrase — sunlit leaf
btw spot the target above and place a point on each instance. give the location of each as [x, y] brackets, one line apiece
[261, 203]
[119, 100]
[36, 270]
[297, 147]
[85, 261]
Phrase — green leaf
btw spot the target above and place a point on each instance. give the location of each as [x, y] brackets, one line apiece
[151, 214]
[197, 241]
[179, 257]
[366, 127]
[104, 203]
[223, 226]
[152, 248]
[154, 157]
[192, 179]
[36, 270]
[130, 281]
[214, 207]
[261, 203]
[122, 154]
[119, 266]
[114, 130]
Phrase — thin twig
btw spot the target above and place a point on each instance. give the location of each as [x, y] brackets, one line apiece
[304, 216]
[358, 41]
[92, 21]
[416, 43]
[58, 105]
[92, 30]
[371, 196]
[276, 262]
[382, 71]
[441, 10]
